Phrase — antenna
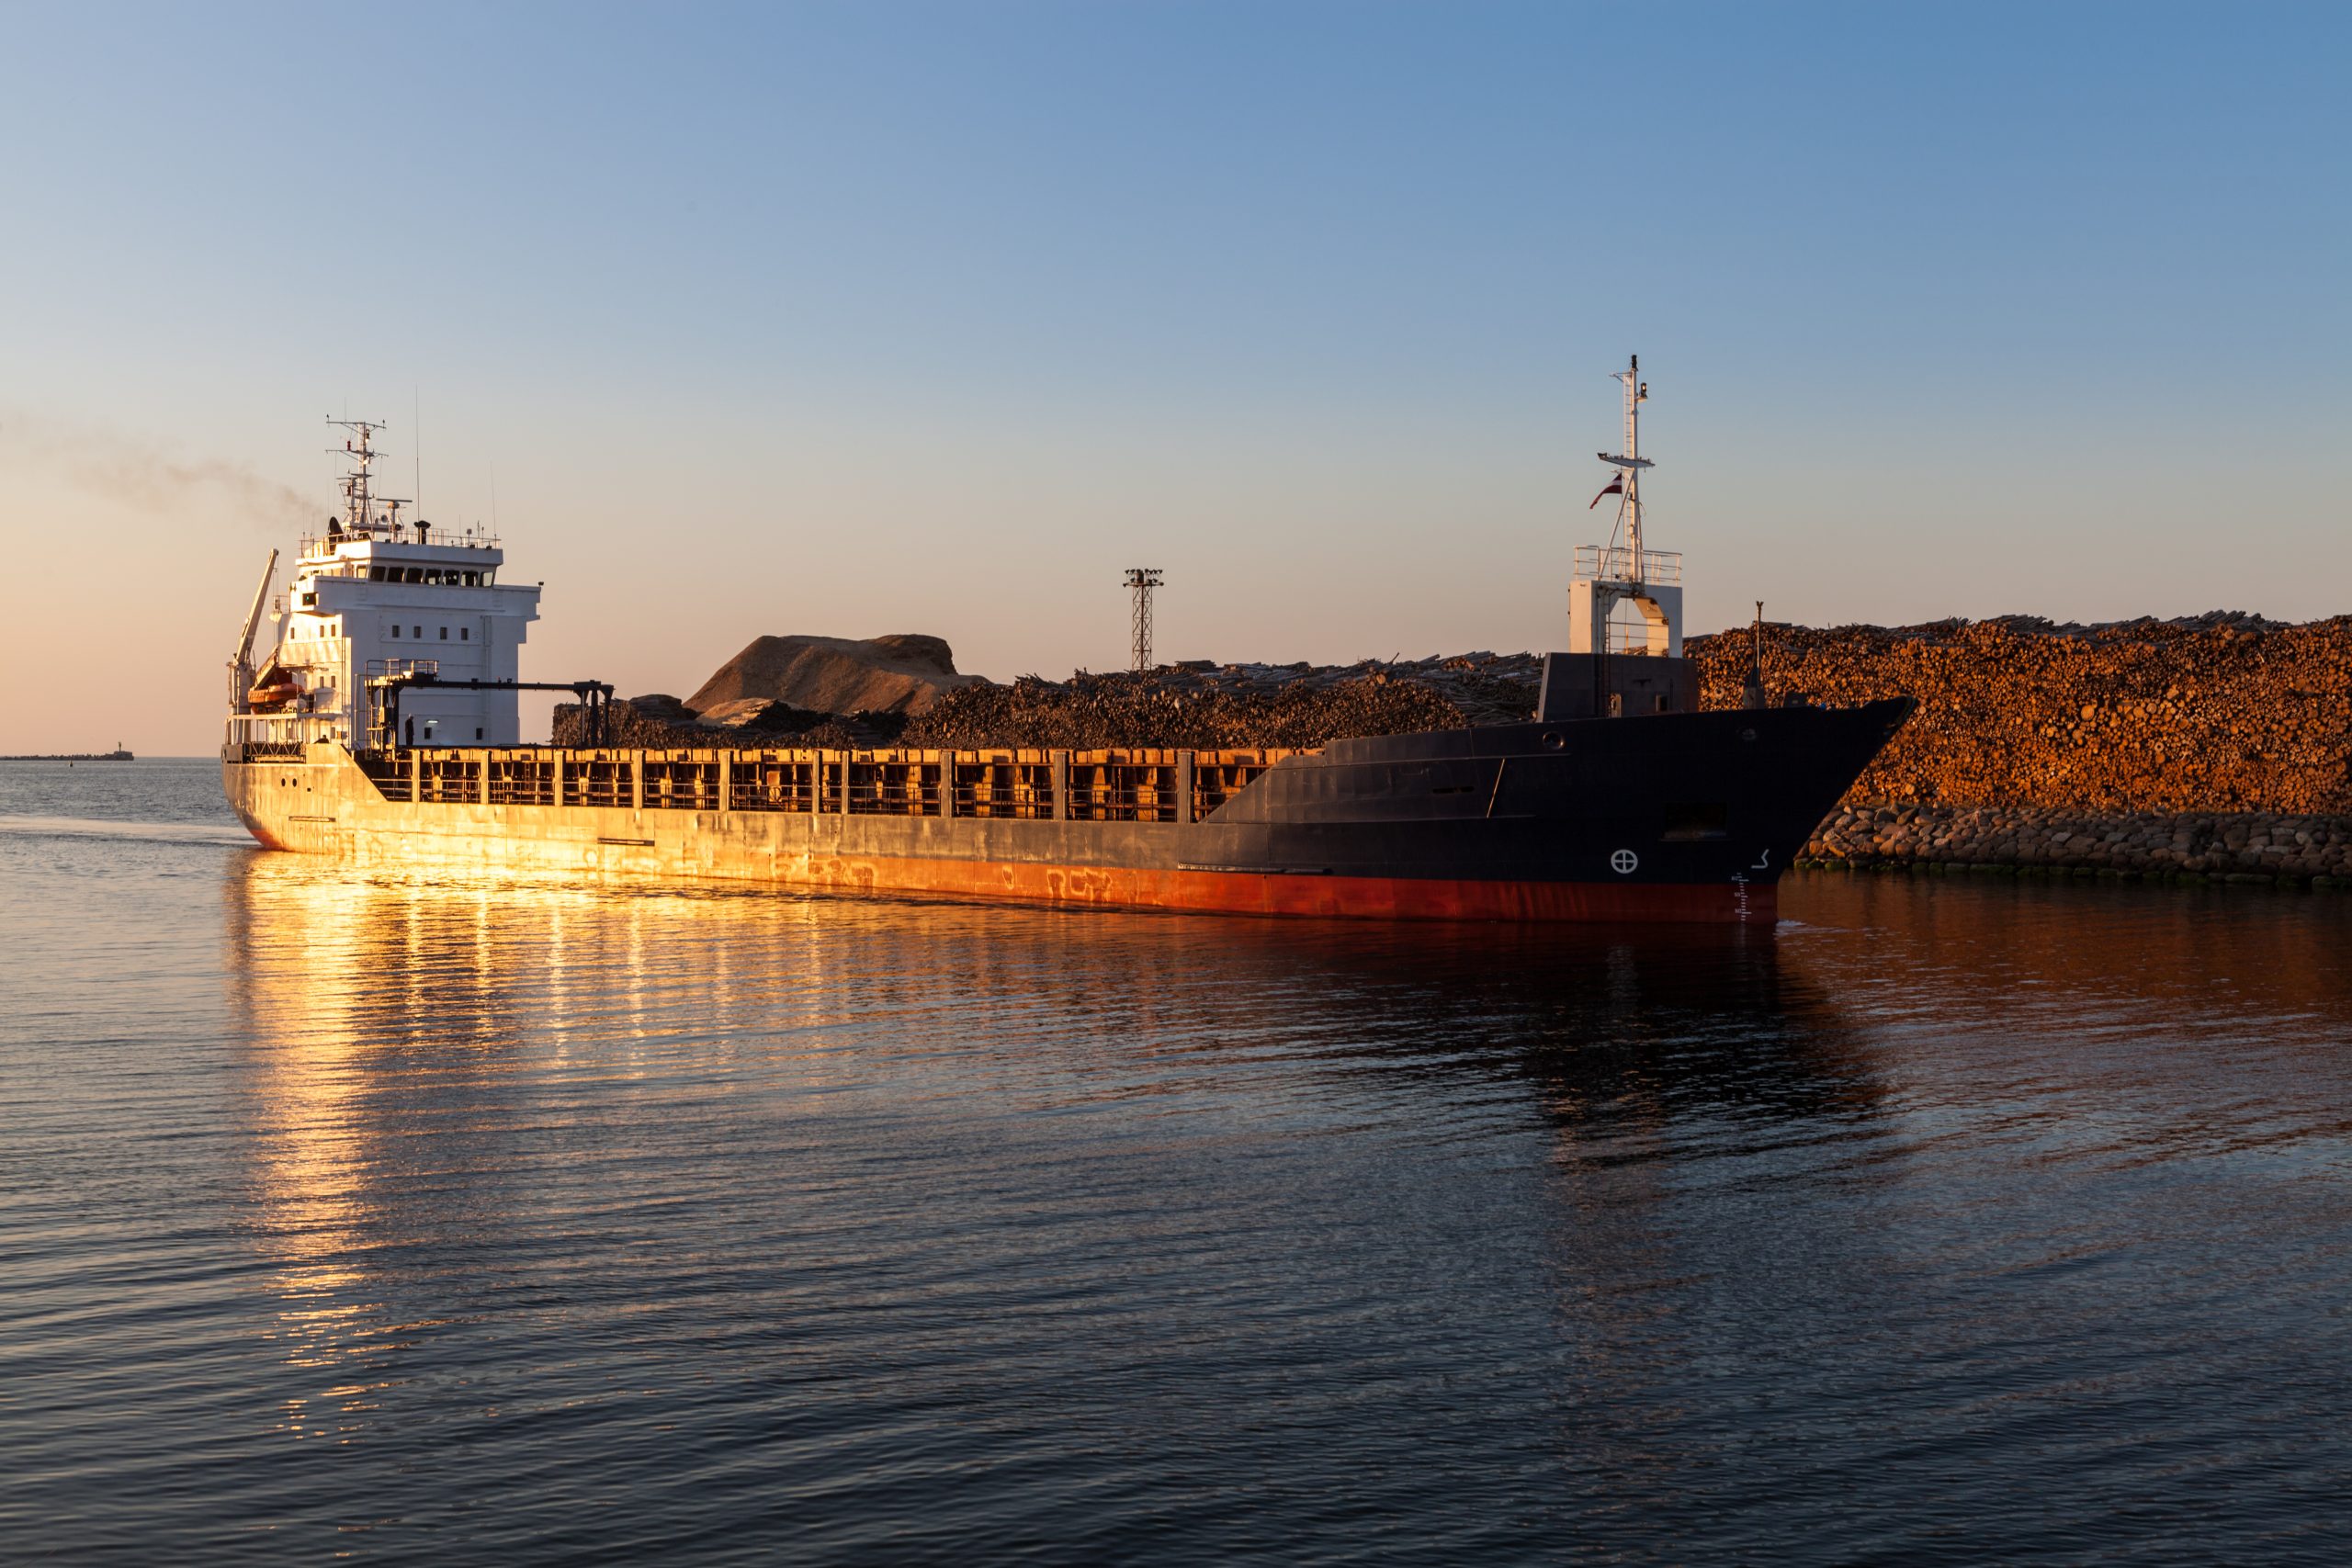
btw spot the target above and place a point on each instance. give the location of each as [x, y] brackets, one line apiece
[1143, 579]
[416, 447]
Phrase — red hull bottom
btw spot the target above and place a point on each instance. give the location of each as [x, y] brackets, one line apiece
[1336, 897]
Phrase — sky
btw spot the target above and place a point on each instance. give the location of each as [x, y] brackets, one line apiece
[851, 318]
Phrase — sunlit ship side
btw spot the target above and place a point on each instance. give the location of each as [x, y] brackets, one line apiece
[381, 728]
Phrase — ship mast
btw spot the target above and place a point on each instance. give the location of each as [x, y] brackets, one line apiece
[1632, 462]
[1630, 575]
[358, 496]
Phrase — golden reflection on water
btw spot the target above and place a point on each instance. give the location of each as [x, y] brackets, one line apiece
[334, 977]
[390, 1019]
[382, 1014]
[290, 980]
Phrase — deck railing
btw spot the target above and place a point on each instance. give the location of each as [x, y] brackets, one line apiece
[1144, 785]
[1615, 563]
[322, 547]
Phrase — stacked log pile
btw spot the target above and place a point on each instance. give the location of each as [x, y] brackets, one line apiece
[661, 722]
[2219, 747]
[1235, 705]
[1201, 705]
[2215, 747]
[2223, 712]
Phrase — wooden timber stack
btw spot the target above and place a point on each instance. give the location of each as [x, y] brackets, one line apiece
[2217, 747]
[1197, 706]
[2222, 714]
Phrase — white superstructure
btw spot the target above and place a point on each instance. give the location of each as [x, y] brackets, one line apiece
[376, 596]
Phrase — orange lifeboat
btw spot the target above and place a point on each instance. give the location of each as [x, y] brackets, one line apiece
[274, 688]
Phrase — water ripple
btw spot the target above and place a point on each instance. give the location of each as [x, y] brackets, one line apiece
[441, 1218]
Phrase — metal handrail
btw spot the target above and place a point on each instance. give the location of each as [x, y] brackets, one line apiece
[1615, 563]
[321, 546]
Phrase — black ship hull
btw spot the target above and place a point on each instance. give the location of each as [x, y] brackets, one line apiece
[1665, 816]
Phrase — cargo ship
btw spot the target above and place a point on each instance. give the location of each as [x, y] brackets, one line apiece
[382, 728]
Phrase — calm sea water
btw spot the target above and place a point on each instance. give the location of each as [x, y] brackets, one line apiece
[430, 1219]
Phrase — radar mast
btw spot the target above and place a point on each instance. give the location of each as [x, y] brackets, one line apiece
[358, 497]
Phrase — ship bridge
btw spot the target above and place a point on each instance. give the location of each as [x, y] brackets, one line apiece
[373, 590]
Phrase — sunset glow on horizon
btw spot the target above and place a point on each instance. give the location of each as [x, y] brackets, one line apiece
[851, 321]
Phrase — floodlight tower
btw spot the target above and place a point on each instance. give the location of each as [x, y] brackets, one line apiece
[1143, 579]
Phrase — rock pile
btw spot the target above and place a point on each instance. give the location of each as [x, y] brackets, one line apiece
[902, 673]
[2262, 846]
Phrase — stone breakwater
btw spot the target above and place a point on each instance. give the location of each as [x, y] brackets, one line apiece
[2193, 846]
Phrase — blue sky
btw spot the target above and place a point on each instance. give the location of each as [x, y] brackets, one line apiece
[854, 318]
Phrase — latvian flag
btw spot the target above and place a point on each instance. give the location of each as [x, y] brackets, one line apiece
[1616, 486]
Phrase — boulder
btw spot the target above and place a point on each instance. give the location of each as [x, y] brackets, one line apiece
[904, 673]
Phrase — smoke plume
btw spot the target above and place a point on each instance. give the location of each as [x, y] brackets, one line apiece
[138, 473]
